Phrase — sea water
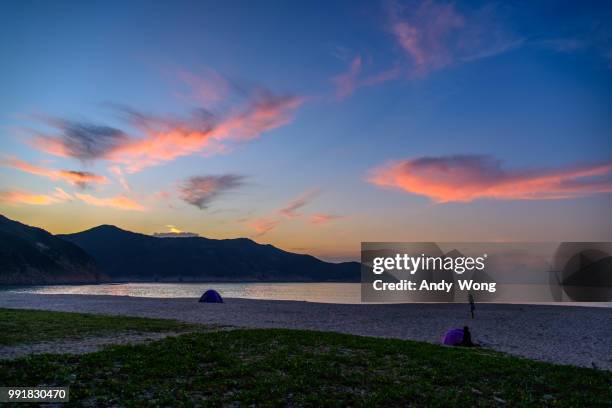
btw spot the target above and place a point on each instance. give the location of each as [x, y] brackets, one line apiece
[323, 292]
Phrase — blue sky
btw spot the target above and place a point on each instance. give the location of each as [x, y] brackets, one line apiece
[512, 100]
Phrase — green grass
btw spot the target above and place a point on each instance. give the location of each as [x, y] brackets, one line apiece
[305, 368]
[28, 326]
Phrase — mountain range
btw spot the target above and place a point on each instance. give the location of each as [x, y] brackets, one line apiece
[30, 255]
[106, 253]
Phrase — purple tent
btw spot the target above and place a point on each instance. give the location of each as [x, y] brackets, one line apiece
[211, 296]
[453, 337]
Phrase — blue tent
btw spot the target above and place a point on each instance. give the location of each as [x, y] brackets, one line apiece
[211, 296]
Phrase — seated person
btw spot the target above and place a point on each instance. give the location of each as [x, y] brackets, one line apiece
[467, 338]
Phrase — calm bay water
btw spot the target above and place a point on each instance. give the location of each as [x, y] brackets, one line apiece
[311, 292]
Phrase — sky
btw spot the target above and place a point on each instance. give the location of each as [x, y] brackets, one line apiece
[312, 126]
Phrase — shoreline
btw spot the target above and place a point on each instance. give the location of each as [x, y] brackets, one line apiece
[565, 335]
[134, 280]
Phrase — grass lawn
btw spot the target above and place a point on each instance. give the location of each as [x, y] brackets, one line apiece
[28, 326]
[305, 368]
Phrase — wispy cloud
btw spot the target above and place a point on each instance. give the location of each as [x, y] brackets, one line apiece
[290, 210]
[202, 190]
[62, 195]
[561, 44]
[346, 83]
[167, 139]
[116, 170]
[263, 225]
[118, 202]
[162, 195]
[82, 178]
[78, 178]
[16, 197]
[467, 178]
[595, 38]
[80, 140]
[161, 139]
[207, 88]
[324, 218]
[436, 35]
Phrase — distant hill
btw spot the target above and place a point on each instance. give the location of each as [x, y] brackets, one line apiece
[129, 256]
[30, 255]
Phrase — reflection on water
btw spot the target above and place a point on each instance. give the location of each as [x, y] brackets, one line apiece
[310, 292]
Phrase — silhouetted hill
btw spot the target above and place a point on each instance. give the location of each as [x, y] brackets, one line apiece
[129, 256]
[30, 255]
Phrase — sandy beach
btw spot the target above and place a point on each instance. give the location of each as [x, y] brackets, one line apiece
[560, 334]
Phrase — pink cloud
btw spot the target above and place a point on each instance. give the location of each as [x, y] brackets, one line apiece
[51, 145]
[323, 218]
[208, 88]
[436, 35]
[16, 197]
[116, 170]
[161, 139]
[425, 34]
[162, 195]
[166, 140]
[263, 225]
[118, 202]
[82, 178]
[265, 111]
[62, 195]
[290, 210]
[78, 178]
[467, 178]
[382, 76]
[347, 82]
